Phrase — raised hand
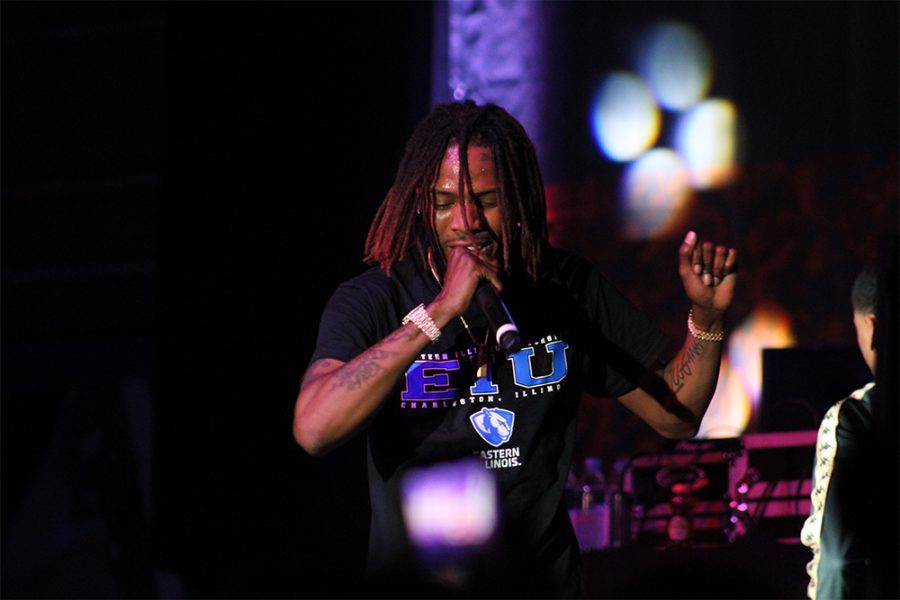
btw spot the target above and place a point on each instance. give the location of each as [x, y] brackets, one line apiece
[708, 273]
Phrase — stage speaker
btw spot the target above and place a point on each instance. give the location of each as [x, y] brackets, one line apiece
[800, 384]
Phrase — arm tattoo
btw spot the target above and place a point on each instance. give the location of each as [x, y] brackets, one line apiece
[686, 368]
[317, 369]
[355, 373]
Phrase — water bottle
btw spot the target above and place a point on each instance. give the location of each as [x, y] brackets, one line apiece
[620, 507]
[591, 518]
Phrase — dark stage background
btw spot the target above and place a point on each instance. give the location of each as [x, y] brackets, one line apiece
[184, 184]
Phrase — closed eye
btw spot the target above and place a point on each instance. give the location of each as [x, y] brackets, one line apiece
[487, 199]
[446, 200]
[443, 200]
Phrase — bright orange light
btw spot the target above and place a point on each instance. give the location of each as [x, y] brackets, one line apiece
[768, 326]
[740, 377]
[730, 409]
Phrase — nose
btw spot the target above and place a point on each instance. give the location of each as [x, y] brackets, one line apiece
[472, 215]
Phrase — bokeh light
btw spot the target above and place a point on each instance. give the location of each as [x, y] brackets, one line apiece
[449, 504]
[730, 410]
[737, 394]
[624, 117]
[706, 137]
[768, 326]
[654, 196]
[675, 61]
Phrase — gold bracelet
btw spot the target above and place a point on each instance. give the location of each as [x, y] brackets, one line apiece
[420, 317]
[703, 336]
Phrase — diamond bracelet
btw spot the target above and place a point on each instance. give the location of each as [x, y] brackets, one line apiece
[420, 317]
[703, 336]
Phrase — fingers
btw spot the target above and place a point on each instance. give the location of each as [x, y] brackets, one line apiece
[473, 265]
[724, 263]
[708, 258]
[686, 254]
[488, 268]
[710, 262]
[731, 261]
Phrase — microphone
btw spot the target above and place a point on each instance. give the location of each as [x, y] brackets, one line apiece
[499, 320]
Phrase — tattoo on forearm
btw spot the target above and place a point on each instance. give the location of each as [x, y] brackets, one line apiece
[317, 369]
[356, 373]
[686, 368]
[401, 334]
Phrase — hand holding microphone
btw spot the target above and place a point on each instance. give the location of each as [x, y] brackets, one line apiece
[467, 269]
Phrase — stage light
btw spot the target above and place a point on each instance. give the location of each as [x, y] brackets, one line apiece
[730, 409]
[706, 137]
[624, 117]
[654, 195]
[675, 61]
[768, 326]
[736, 398]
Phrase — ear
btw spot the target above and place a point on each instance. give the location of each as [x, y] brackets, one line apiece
[870, 324]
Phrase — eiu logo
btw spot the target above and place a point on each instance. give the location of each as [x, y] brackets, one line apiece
[494, 425]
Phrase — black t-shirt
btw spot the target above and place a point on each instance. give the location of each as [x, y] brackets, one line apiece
[517, 420]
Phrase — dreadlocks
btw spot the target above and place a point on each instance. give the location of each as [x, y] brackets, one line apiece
[399, 225]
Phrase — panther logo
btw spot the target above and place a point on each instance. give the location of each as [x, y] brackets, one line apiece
[494, 425]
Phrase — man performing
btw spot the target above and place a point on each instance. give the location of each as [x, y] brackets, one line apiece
[405, 355]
